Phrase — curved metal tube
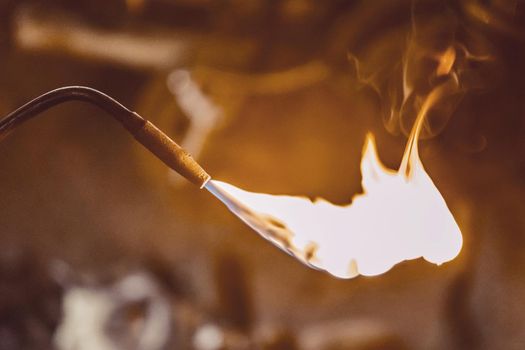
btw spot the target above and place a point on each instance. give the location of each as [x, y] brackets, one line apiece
[144, 131]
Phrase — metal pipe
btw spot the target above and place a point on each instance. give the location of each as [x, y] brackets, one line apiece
[144, 131]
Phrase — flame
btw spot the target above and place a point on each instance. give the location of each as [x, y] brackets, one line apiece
[399, 216]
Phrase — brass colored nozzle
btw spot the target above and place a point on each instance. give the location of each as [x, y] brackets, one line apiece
[171, 153]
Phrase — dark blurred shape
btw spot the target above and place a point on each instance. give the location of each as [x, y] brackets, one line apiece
[29, 300]
[234, 303]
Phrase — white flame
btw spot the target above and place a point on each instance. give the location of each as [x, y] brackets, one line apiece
[399, 216]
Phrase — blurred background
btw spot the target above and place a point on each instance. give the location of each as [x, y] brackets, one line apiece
[102, 247]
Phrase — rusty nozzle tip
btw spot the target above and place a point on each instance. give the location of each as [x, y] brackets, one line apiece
[170, 153]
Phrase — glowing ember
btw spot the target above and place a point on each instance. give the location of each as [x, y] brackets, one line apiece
[399, 216]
